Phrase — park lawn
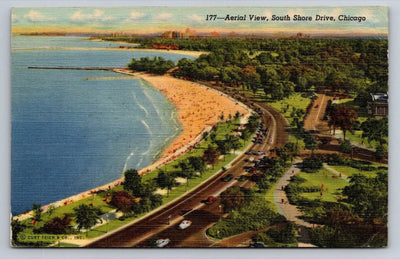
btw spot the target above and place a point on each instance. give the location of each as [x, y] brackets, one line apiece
[356, 137]
[350, 171]
[332, 185]
[97, 201]
[269, 196]
[286, 105]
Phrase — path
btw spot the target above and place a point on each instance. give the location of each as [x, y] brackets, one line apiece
[291, 212]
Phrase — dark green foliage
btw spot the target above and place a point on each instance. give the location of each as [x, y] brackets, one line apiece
[86, 216]
[312, 164]
[375, 129]
[345, 147]
[283, 65]
[166, 180]
[256, 214]
[288, 151]
[197, 163]
[133, 182]
[286, 235]
[224, 146]
[155, 66]
[368, 196]
[37, 211]
[310, 142]
[233, 198]
[211, 155]
[16, 228]
[380, 152]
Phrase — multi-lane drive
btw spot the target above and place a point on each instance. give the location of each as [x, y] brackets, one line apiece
[163, 223]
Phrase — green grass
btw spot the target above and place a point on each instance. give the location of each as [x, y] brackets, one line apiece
[285, 106]
[332, 186]
[350, 171]
[269, 196]
[67, 245]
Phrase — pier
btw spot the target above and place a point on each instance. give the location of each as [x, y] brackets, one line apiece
[77, 68]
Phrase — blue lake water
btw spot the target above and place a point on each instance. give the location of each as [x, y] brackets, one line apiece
[71, 134]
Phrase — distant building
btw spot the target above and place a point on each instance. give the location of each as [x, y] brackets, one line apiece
[378, 106]
[174, 35]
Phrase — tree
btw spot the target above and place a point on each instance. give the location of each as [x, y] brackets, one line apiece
[224, 146]
[166, 180]
[197, 163]
[375, 130]
[51, 209]
[123, 201]
[368, 196]
[235, 143]
[310, 143]
[86, 216]
[232, 198]
[288, 151]
[58, 225]
[133, 182]
[211, 156]
[250, 78]
[345, 147]
[37, 211]
[187, 170]
[343, 117]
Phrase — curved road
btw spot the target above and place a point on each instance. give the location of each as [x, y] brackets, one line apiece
[190, 206]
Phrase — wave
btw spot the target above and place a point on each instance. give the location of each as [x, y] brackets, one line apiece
[138, 104]
[149, 98]
[126, 161]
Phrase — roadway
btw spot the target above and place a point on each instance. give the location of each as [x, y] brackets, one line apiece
[191, 206]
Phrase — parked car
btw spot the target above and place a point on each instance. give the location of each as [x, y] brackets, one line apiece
[210, 200]
[162, 242]
[251, 152]
[184, 224]
[227, 178]
[260, 153]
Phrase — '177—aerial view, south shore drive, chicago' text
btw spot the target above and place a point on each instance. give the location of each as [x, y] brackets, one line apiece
[202, 127]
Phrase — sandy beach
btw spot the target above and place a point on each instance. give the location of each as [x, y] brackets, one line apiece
[182, 52]
[198, 109]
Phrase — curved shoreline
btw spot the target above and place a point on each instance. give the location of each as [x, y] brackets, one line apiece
[210, 103]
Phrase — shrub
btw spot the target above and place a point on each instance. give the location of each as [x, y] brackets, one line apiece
[345, 147]
[312, 164]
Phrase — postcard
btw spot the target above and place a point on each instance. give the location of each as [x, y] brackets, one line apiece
[167, 127]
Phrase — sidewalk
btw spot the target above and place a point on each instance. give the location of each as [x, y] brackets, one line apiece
[290, 211]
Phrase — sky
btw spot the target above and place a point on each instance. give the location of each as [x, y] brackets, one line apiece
[158, 19]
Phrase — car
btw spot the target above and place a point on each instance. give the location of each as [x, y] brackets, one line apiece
[227, 178]
[162, 242]
[184, 224]
[251, 152]
[260, 153]
[210, 200]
